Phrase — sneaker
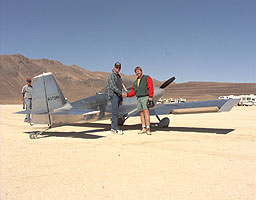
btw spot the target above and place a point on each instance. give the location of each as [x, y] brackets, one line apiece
[142, 131]
[118, 132]
[148, 131]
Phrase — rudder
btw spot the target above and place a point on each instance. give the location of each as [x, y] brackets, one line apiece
[47, 96]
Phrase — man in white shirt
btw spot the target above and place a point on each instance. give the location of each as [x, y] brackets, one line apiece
[27, 98]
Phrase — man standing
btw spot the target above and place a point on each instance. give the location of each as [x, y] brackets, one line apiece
[27, 98]
[144, 91]
[115, 95]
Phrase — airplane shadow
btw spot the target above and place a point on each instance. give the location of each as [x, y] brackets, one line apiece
[198, 130]
[106, 127]
[72, 134]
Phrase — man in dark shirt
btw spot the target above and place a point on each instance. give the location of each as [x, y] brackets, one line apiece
[115, 96]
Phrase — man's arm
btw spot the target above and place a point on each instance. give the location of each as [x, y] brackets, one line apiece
[132, 93]
[22, 96]
[150, 88]
[112, 85]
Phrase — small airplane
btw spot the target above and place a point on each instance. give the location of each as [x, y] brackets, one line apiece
[50, 108]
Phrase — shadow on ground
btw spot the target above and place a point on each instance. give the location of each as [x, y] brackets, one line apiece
[155, 128]
[100, 127]
[73, 134]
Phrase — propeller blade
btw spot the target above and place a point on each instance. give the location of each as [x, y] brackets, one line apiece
[166, 83]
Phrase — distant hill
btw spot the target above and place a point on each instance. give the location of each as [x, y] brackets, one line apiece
[193, 91]
[74, 81]
[77, 83]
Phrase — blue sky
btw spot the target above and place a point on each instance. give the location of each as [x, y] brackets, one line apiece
[193, 40]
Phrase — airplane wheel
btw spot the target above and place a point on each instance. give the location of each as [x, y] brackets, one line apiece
[164, 123]
[120, 121]
[32, 136]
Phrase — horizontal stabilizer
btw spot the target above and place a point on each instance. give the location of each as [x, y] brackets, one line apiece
[30, 112]
[23, 112]
[62, 112]
[73, 111]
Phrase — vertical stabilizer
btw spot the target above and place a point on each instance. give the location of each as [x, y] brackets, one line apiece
[47, 96]
[54, 96]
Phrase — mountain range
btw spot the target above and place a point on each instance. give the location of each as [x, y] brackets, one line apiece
[77, 82]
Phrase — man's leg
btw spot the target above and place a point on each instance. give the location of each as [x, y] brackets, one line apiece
[147, 117]
[115, 112]
[28, 107]
[142, 118]
[144, 107]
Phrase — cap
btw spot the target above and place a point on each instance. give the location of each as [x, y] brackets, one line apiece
[29, 80]
[118, 65]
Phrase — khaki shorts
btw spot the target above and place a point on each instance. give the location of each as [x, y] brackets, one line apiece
[142, 103]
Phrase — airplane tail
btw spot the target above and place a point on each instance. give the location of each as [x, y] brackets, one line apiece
[47, 96]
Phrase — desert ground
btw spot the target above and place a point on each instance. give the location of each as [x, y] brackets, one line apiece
[200, 156]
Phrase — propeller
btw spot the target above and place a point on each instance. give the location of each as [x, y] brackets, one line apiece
[166, 83]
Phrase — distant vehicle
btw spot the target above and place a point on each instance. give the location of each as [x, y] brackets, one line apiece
[248, 103]
[248, 100]
[182, 100]
[50, 108]
[230, 97]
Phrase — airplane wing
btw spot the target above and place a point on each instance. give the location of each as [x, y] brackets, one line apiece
[193, 107]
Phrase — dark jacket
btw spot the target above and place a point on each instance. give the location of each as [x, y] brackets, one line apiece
[114, 85]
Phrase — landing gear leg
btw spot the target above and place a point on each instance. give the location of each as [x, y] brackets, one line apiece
[35, 135]
[121, 120]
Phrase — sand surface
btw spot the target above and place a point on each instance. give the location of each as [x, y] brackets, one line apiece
[200, 156]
